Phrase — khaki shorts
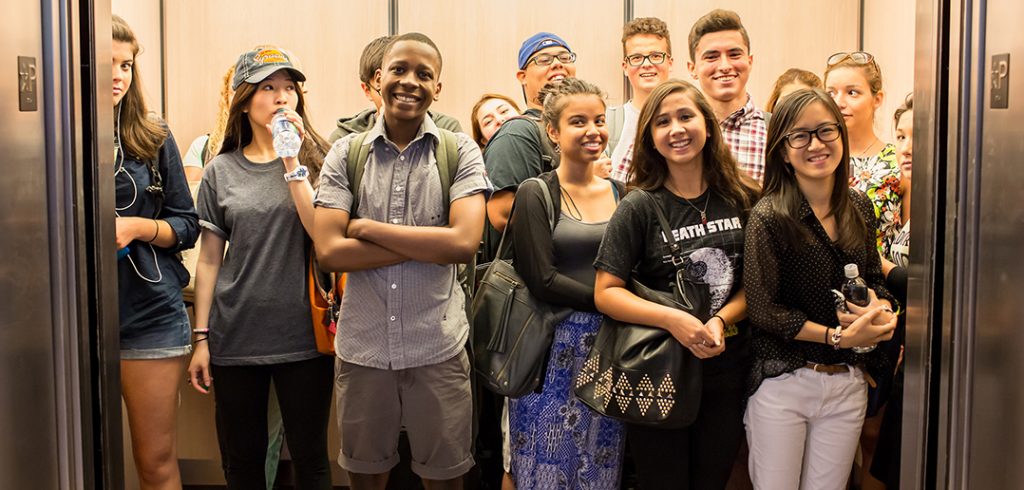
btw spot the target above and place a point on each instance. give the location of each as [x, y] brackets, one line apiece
[432, 403]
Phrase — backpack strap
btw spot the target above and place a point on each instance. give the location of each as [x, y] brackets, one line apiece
[447, 156]
[204, 155]
[616, 117]
[549, 158]
[355, 166]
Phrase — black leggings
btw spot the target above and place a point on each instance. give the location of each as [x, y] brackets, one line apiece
[700, 456]
[304, 391]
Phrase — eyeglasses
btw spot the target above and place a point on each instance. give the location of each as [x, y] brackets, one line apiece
[801, 139]
[859, 57]
[656, 58]
[565, 57]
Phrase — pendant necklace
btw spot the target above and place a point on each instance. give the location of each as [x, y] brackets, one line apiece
[703, 212]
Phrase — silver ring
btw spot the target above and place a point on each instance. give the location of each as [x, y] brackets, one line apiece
[704, 343]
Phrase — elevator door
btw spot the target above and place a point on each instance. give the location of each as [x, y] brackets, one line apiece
[29, 452]
[997, 400]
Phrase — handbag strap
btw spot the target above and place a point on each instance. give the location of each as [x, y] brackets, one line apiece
[675, 250]
[548, 204]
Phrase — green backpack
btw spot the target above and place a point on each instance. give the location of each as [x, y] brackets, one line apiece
[447, 156]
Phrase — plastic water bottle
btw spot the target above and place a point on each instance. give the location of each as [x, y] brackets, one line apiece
[286, 137]
[856, 292]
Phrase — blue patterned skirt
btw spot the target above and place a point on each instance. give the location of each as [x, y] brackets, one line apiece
[557, 442]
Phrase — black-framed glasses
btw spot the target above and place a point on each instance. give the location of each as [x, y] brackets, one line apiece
[656, 58]
[859, 57]
[565, 57]
[801, 139]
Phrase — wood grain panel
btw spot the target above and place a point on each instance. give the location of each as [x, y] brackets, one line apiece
[205, 37]
[889, 36]
[480, 42]
[144, 18]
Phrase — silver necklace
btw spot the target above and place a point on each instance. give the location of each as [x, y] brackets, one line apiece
[703, 212]
[861, 154]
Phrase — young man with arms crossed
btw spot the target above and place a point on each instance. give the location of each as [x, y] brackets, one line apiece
[720, 60]
[403, 327]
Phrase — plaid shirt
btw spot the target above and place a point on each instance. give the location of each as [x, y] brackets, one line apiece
[746, 133]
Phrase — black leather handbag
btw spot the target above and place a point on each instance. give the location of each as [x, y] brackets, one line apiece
[512, 330]
[641, 374]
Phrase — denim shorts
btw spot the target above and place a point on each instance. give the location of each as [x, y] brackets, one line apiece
[166, 339]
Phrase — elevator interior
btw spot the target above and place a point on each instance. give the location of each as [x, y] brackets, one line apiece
[58, 323]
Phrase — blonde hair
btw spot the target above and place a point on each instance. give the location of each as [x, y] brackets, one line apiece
[223, 110]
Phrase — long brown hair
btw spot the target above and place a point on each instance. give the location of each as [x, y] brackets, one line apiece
[139, 134]
[780, 184]
[649, 169]
[238, 131]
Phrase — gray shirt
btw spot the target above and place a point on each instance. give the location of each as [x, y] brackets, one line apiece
[413, 313]
[260, 312]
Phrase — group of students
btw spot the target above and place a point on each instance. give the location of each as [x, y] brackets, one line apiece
[767, 208]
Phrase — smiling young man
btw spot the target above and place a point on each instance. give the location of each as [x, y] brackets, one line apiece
[403, 327]
[720, 60]
[369, 83]
[518, 150]
[646, 62]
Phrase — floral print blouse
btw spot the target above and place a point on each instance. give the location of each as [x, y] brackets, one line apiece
[878, 177]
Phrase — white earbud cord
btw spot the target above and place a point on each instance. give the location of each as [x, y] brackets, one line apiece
[119, 161]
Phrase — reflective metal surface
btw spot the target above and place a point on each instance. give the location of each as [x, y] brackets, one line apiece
[996, 403]
[26, 325]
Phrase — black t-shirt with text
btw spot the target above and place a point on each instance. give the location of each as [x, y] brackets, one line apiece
[712, 251]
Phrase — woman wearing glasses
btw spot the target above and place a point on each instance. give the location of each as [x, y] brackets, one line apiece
[854, 81]
[804, 417]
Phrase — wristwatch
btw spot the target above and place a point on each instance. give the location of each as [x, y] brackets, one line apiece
[300, 173]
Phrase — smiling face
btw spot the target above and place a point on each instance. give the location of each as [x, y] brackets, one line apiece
[849, 87]
[581, 133]
[123, 62]
[645, 77]
[274, 92]
[679, 130]
[534, 77]
[410, 80]
[722, 65]
[491, 115]
[905, 145]
[817, 162]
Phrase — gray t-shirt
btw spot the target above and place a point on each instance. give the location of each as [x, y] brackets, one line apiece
[260, 312]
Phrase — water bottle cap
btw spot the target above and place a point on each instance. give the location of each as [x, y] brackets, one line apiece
[851, 271]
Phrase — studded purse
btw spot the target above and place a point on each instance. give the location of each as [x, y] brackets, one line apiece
[641, 374]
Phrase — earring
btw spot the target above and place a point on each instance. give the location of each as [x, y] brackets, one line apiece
[558, 149]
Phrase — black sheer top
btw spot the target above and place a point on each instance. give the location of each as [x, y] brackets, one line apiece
[787, 287]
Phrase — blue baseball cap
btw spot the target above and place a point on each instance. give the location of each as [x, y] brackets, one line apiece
[536, 43]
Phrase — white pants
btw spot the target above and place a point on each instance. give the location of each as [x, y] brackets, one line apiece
[803, 429]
